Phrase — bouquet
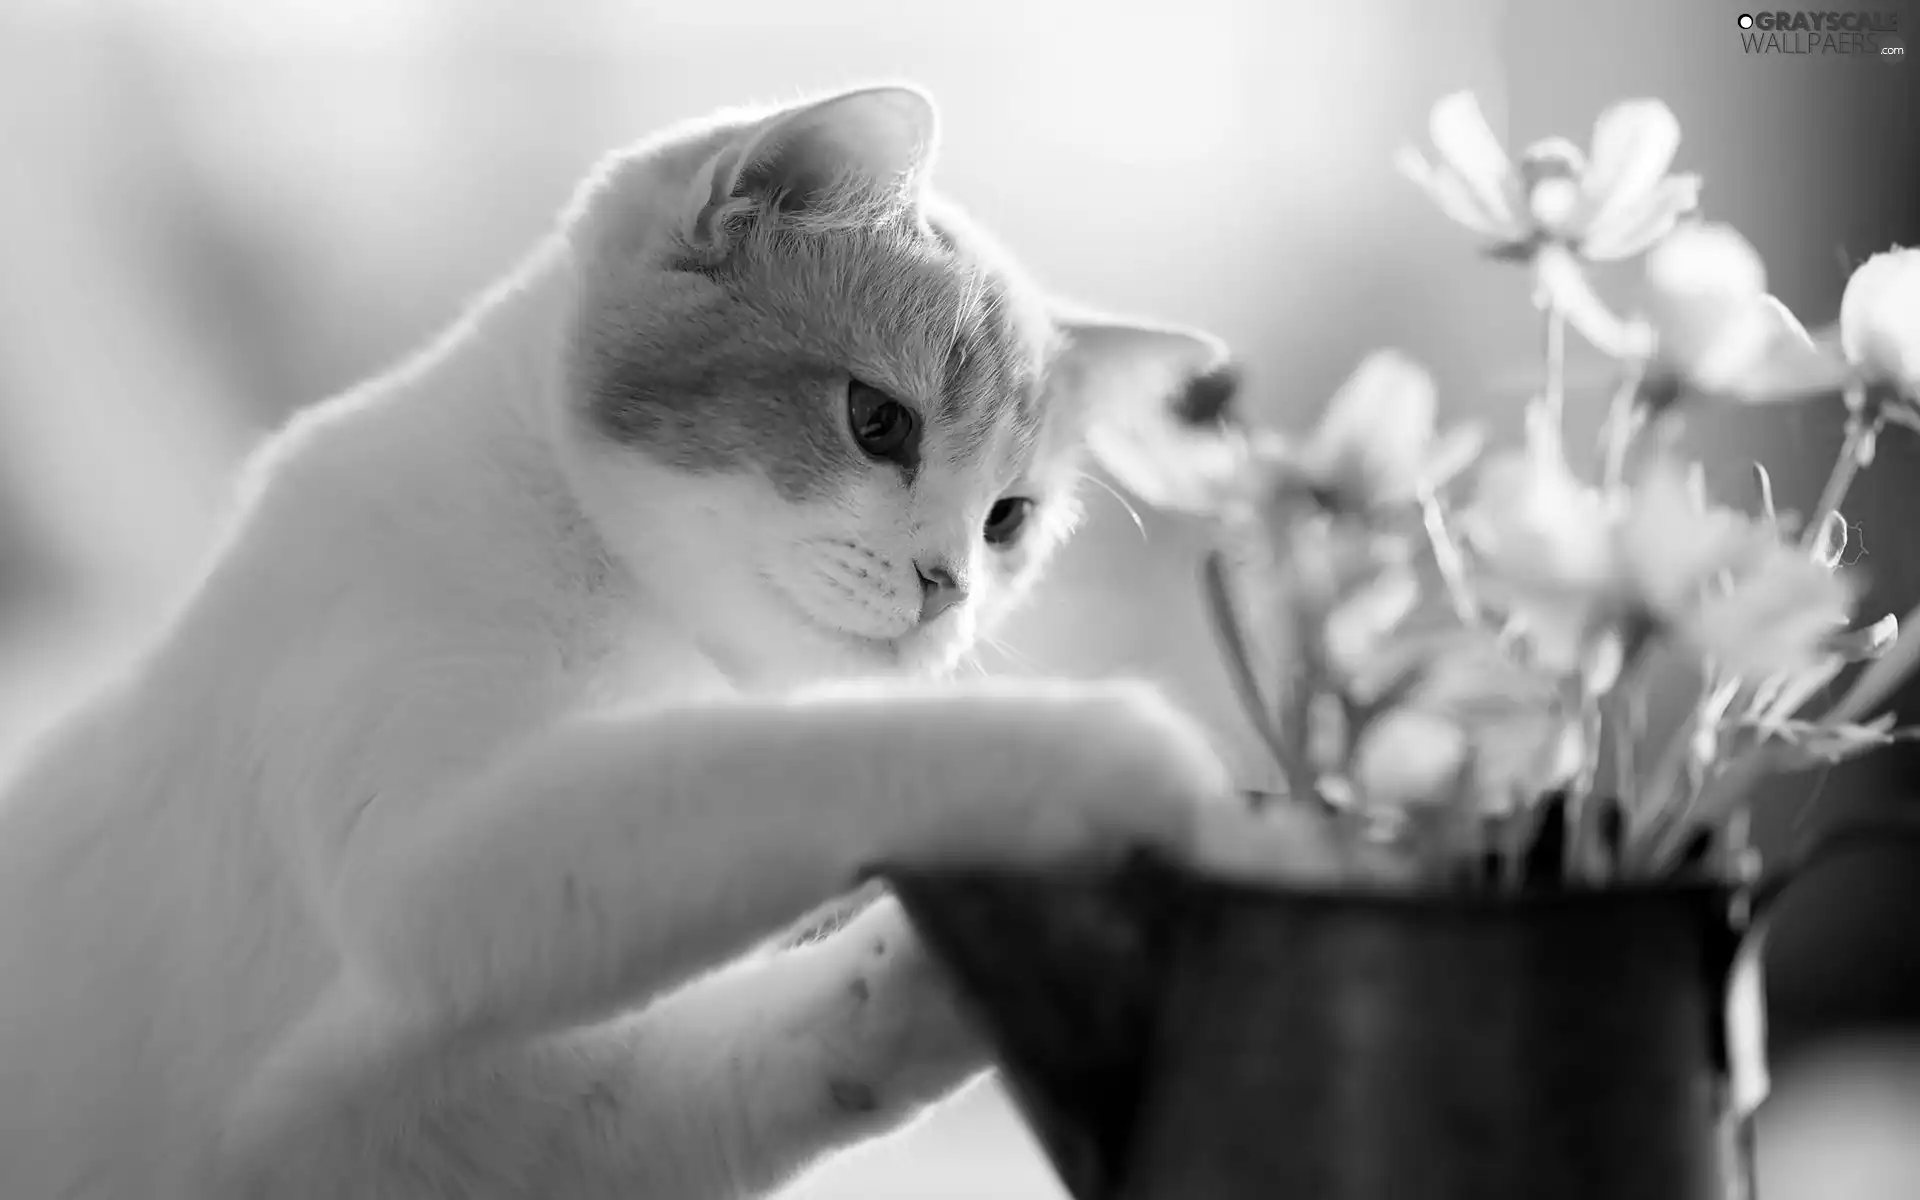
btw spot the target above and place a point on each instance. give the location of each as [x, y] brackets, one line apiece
[1450, 648]
[1532, 976]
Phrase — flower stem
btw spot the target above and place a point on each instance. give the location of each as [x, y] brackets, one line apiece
[1629, 727]
[1580, 798]
[1673, 798]
[1623, 418]
[1448, 560]
[1227, 629]
[1718, 798]
[1854, 452]
[1555, 351]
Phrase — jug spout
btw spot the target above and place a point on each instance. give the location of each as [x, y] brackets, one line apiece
[1064, 975]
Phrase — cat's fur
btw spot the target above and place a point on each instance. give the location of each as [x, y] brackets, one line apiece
[426, 853]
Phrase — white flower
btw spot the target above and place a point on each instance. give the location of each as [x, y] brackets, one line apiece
[1409, 758]
[1712, 325]
[1376, 446]
[1880, 319]
[1727, 585]
[1610, 203]
[1583, 577]
[1467, 714]
[1548, 542]
[1715, 328]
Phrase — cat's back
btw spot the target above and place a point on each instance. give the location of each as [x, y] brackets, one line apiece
[134, 917]
[409, 587]
[157, 934]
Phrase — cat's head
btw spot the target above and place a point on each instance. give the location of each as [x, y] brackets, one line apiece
[826, 420]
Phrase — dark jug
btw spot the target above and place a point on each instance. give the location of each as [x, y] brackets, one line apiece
[1174, 1038]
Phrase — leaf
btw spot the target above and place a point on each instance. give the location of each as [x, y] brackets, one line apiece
[1779, 698]
[1237, 656]
[1865, 645]
[1901, 414]
[1878, 682]
[1813, 742]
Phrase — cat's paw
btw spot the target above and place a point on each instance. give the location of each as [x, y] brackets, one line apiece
[1136, 772]
[901, 1039]
[1082, 774]
[1290, 844]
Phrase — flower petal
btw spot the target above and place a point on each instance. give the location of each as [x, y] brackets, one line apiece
[1560, 281]
[1450, 455]
[1718, 347]
[1715, 324]
[1466, 143]
[1456, 200]
[1633, 145]
[1387, 387]
[1538, 534]
[1353, 631]
[1706, 258]
[1629, 230]
[1409, 757]
[1674, 546]
[1770, 356]
[1377, 430]
[1775, 620]
[1180, 469]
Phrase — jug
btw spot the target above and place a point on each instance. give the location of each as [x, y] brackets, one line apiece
[1169, 1037]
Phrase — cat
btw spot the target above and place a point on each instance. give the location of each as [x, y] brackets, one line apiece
[441, 843]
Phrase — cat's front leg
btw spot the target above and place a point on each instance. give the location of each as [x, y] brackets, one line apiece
[778, 1061]
[605, 863]
[727, 1089]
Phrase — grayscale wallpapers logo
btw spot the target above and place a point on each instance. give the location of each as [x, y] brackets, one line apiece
[1859, 34]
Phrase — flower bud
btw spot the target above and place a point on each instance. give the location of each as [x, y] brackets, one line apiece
[1880, 319]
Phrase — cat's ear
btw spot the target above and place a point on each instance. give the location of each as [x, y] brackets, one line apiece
[1155, 405]
[858, 150]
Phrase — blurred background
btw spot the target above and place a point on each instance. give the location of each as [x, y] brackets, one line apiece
[213, 212]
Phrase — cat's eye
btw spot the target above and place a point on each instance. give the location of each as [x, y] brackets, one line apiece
[883, 426]
[1005, 520]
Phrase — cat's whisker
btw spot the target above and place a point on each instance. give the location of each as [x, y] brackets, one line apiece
[1018, 659]
[1132, 513]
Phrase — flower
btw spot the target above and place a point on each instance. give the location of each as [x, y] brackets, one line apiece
[1409, 758]
[1464, 711]
[1880, 319]
[1710, 324]
[1375, 447]
[1585, 577]
[1546, 537]
[1608, 204]
[1714, 327]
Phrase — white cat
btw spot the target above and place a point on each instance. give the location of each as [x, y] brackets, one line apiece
[427, 852]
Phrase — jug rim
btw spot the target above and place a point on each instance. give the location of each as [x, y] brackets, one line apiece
[1408, 898]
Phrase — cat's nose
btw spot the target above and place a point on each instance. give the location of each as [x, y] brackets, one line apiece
[940, 590]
